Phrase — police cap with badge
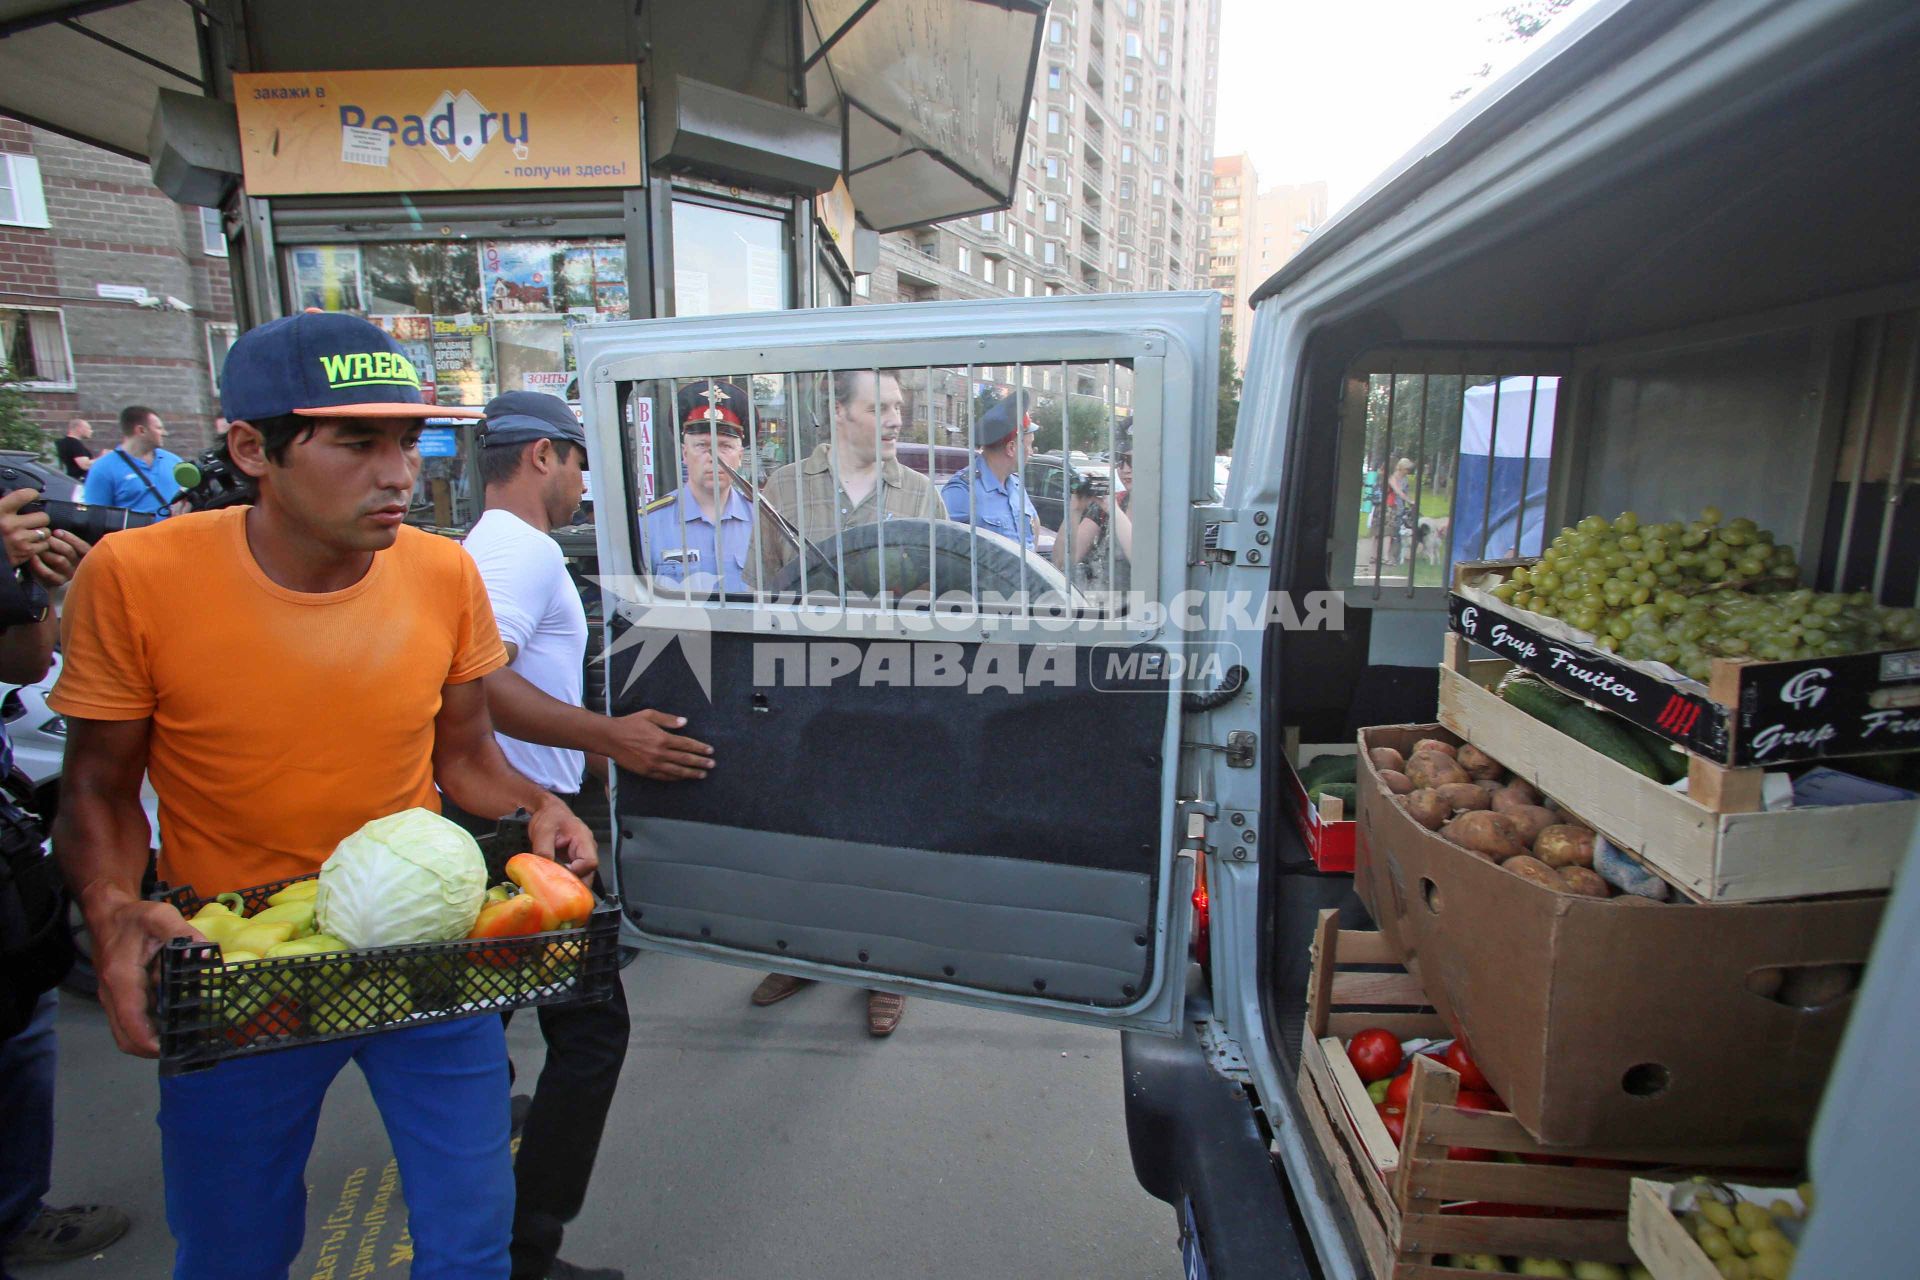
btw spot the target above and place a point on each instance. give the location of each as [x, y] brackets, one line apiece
[713, 405]
[996, 424]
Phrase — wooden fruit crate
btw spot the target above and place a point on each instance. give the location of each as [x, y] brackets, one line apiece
[1412, 1205]
[1708, 853]
[1661, 1240]
[1749, 714]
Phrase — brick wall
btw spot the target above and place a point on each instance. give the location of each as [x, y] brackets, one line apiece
[111, 226]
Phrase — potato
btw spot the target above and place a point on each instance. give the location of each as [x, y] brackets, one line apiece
[1516, 793]
[1478, 763]
[1463, 795]
[1431, 769]
[1427, 808]
[1565, 844]
[1489, 785]
[1387, 758]
[1531, 820]
[1444, 747]
[1488, 834]
[1398, 783]
[1586, 881]
[1529, 868]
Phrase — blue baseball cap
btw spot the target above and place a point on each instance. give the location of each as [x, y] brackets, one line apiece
[516, 417]
[323, 364]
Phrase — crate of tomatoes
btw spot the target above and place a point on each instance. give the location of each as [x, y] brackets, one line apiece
[399, 928]
[1439, 1178]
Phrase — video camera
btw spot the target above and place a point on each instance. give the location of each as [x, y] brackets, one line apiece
[80, 519]
[1089, 485]
[211, 481]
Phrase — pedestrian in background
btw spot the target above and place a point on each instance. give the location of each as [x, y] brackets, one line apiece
[139, 474]
[75, 455]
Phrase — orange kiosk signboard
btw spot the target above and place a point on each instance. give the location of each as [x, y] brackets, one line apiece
[439, 129]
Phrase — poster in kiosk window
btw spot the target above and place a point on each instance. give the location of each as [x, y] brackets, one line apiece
[1506, 442]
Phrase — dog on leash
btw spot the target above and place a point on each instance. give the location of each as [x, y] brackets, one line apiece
[1430, 539]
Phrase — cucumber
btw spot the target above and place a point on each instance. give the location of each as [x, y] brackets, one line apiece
[1535, 698]
[1329, 768]
[1671, 763]
[1607, 736]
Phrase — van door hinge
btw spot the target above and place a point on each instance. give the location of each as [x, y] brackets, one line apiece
[1239, 748]
[1232, 535]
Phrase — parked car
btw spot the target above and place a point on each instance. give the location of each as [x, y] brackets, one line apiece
[1046, 478]
[948, 459]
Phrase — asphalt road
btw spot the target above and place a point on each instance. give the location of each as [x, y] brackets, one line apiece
[781, 1142]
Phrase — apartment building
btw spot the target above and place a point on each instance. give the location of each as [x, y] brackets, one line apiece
[1236, 187]
[1115, 169]
[110, 293]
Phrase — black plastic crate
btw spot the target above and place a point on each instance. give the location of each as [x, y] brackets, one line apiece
[209, 1012]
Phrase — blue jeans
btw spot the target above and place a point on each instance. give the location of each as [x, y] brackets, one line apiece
[235, 1140]
[26, 1121]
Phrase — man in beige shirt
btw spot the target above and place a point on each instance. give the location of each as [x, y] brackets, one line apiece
[852, 479]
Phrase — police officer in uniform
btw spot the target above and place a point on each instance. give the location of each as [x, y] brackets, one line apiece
[990, 493]
[700, 536]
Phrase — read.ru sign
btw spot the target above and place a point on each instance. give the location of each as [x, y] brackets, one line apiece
[440, 129]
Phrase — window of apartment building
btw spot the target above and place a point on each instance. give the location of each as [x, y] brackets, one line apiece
[1053, 166]
[1126, 117]
[1053, 211]
[1159, 122]
[1057, 31]
[33, 347]
[1133, 44]
[1121, 259]
[22, 203]
[1012, 279]
[1126, 188]
[1166, 26]
[1049, 252]
[1126, 153]
[1160, 56]
[1159, 154]
[1013, 236]
[986, 222]
[1133, 9]
[1029, 244]
[1031, 198]
[1159, 218]
[220, 340]
[1026, 285]
[986, 269]
[1053, 77]
[1126, 224]
[1053, 122]
[1159, 187]
[1130, 82]
[965, 262]
[213, 237]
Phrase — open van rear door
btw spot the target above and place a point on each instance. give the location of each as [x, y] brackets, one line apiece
[945, 765]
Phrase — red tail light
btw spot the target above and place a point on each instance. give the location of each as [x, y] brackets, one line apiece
[1202, 949]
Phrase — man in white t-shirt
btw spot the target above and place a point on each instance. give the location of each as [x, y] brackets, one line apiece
[532, 455]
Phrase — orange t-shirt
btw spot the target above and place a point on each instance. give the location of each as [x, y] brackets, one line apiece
[282, 720]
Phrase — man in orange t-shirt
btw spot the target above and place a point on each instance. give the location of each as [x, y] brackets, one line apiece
[287, 672]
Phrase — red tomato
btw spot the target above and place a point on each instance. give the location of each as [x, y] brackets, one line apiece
[1398, 1089]
[1478, 1100]
[1396, 1122]
[1375, 1054]
[1469, 1153]
[1460, 1060]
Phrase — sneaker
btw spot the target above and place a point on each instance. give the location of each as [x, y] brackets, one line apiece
[564, 1270]
[776, 987]
[61, 1235]
[883, 1012]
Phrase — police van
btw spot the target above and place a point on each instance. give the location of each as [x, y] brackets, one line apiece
[1674, 252]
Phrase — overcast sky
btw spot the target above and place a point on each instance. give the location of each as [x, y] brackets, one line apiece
[1339, 89]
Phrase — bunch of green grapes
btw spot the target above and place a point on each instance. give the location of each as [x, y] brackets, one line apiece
[1686, 593]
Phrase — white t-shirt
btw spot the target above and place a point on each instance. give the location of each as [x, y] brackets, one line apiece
[538, 611]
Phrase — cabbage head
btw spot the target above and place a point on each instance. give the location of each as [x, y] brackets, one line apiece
[412, 876]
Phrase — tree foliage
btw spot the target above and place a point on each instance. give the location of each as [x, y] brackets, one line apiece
[1228, 421]
[1087, 419]
[17, 430]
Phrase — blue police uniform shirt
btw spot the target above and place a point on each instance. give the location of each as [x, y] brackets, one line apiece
[688, 560]
[114, 480]
[994, 501]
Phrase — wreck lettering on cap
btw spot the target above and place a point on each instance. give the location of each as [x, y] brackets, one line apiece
[369, 368]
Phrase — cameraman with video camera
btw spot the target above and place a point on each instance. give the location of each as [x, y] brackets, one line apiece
[35, 950]
[1097, 540]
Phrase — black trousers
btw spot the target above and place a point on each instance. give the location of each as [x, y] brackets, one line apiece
[586, 1045]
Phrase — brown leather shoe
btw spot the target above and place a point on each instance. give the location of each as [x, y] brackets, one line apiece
[883, 1012]
[776, 987]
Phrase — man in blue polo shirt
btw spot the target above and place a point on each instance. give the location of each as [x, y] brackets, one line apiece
[139, 474]
[700, 537]
[989, 494]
